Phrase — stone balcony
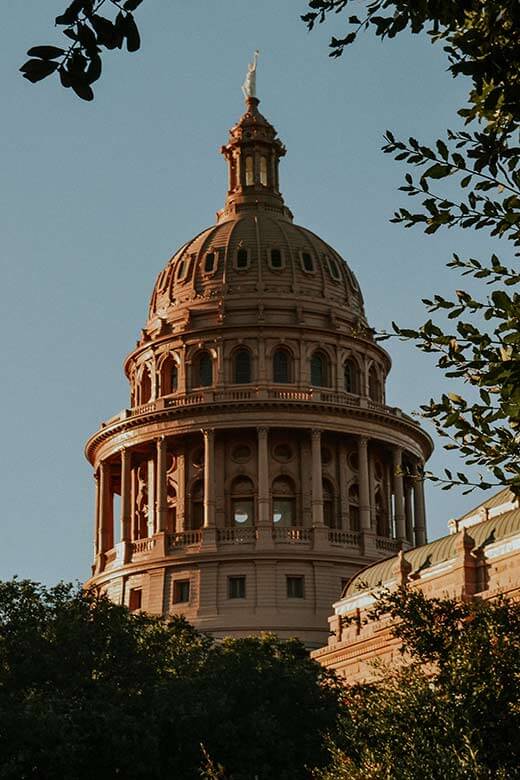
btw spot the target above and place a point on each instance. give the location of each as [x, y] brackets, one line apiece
[232, 541]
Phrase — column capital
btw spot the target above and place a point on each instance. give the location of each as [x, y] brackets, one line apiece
[262, 430]
[316, 433]
[363, 441]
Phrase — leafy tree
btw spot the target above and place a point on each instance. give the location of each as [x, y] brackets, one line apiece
[452, 712]
[480, 340]
[89, 689]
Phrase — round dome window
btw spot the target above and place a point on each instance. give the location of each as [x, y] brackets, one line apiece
[241, 453]
[282, 452]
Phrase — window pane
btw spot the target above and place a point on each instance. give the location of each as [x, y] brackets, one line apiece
[295, 588]
[276, 258]
[174, 378]
[319, 371]
[263, 171]
[350, 377]
[242, 258]
[236, 587]
[181, 591]
[243, 511]
[249, 171]
[283, 511]
[281, 366]
[209, 263]
[205, 370]
[242, 367]
[307, 262]
[135, 600]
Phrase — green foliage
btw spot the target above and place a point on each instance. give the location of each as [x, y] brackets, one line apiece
[452, 711]
[89, 34]
[88, 689]
[479, 340]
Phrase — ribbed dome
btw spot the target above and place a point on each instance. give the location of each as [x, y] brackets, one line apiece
[254, 249]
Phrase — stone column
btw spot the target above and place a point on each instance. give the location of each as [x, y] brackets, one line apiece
[181, 488]
[343, 484]
[264, 518]
[151, 487]
[97, 518]
[317, 481]
[400, 529]
[372, 490]
[419, 509]
[162, 498]
[126, 494]
[209, 478]
[364, 486]
[408, 510]
[106, 524]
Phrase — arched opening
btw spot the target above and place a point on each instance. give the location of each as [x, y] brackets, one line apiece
[374, 385]
[203, 370]
[329, 505]
[171, 512]
[197, 505]
[250, 178]
[351, 376]
[242, 366]
[282, 365]
[169, 376]
[381, 512]
[353, 507]
[284, 502]
[145, 386]
[320, 370]
[263, 171]
[242, 502]
[242, 259]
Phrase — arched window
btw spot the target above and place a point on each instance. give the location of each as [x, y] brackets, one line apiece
[307, 262]
[329, 508]
[351, 376]
[353, 507]
[169, 376]
[242, 367]
[381, 512]
[197, 505]
[333, 268]
[209, 262]
[146, 386]
[374, 385]
[249, 171]
[282, 366]
[320, 370]
[242, 260]
[276, 259]
[284, 502]
[242, 502]
[263, 171]
[203, 370]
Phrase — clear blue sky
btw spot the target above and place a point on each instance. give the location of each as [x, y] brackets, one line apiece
[96, 197]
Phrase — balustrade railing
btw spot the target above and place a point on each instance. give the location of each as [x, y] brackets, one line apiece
[236, 535]
[143, 545]
[345, 538]
[293, 535]
[184, 539]
[392, 545]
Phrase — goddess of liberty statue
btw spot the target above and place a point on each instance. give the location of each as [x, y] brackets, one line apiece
[249, 85]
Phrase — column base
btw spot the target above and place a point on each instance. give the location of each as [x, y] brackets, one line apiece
[209, 540]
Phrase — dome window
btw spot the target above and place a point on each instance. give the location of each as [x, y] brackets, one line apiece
[281, 367]
[276, 259]
[320, 370]
[351, 376]
[374, 386]
[181, 269]
[203, 370]
[307, 262]
[333, 268]
[249, 171]
[263, 171]
[197, 505]
[242, 367]
[242, 502]
[242, 259]
[284, 502]
[210, 263]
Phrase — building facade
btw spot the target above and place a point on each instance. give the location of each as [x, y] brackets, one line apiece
[478, 559]
[258, 466]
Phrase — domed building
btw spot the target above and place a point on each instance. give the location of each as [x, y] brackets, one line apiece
[258, 466]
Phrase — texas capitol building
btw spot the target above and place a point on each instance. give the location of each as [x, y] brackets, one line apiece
[258, 467]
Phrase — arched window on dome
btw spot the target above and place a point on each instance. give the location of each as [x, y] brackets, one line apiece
[242, 502]
[250, 176]
[307, 262]
[329, 505]
[242, 259]
[374, 385]
[145, 386]
[210, 263]
[276, 259]
[263, 171]
[282, 366]
[169, 376]
[196, 519]
[202, 374]
[320, 370]
[284, 502]
[333, 268]
[353, 507]
[242, 366]
[351, 376]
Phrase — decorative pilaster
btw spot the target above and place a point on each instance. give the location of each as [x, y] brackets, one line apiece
[106, 525]
[162, 490]
[97, 517]
[400, 529]
[126, 495]
[181, 488]
[317, 481]
[151, 486]
[209, 478]
[364, 487]
[264, 518]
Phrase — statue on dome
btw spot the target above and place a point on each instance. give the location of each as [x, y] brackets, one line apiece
[249, 85]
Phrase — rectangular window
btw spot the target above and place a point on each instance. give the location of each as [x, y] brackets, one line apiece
[181, 591]
[209, 263]
[236, 587]
[295, 588]
[135, 599]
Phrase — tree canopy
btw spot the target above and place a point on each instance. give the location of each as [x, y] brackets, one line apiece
[89, 689]
[452, 711]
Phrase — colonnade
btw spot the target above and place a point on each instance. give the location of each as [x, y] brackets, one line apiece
[407, 515]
